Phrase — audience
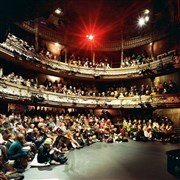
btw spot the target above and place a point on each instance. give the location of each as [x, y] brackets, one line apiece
[54, 133]
[80, 89]
[50, 135]
[24, 51]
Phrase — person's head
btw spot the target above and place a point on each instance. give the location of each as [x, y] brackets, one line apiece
[47, 143]
[30, 131]
[11, 136]
[20, 137]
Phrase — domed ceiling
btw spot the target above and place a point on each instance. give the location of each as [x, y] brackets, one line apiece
[105, 19]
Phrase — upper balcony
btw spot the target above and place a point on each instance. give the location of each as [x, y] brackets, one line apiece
[16, 53]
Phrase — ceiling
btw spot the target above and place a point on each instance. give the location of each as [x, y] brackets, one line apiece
[105, 19]
[102, 18]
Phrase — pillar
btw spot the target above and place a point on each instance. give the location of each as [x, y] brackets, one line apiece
[66, 57]
[93, 57]
[122, 48]
[122, 56]
[152, 81]
[36, 36]
[152, 50]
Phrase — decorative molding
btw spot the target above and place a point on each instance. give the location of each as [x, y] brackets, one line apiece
[12, 91]
[52, 35]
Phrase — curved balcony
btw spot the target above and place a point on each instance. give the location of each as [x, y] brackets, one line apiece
[18, 93]
[17, 54]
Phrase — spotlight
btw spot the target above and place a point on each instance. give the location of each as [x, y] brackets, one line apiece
[90, 37]
[146, 11]
[58, 11]
[146, 18]
[141, 22]
[57, 44]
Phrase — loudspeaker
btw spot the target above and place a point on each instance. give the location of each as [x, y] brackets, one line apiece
[97, 77]
[37, 98]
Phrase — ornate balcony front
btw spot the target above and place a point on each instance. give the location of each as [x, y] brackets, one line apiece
[16, 54]
[21, 94]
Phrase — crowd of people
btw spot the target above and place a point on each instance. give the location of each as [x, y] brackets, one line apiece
[23, 49]
[14, 78]
[86, 62]
[135, 60]
[79, 89]
[155, 129]
[48, 135]
[71, 88]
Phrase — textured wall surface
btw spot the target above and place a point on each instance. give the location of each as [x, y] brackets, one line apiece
[173, 114]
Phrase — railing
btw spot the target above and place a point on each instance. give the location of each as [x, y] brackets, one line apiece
[166, 99]
[43, 31]
[79, 71]
[13, 91]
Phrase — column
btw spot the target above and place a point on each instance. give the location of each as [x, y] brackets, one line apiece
[122, 48]
[36, 36]
[66, 57]
[93, 57]
[1, 72]
[152, 50]
[152, 81]
[122, 56]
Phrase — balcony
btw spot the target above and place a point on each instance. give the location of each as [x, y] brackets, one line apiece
[20, 94]
[13, 52]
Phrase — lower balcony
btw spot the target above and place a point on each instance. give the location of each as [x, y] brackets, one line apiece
[20, 94]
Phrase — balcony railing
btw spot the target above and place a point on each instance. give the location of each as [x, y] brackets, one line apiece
[11, 91]
[60, 68]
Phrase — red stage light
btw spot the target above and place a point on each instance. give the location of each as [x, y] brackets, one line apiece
[90, 37]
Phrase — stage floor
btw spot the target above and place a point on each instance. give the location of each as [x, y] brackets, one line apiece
[102, 161]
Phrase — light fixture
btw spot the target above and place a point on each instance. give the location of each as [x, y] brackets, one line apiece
[56, 44]
[141, 21]
[146, 11]
[58, 11]
[146, 18]
[90, 37]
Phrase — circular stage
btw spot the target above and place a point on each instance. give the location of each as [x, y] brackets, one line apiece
[126, 161]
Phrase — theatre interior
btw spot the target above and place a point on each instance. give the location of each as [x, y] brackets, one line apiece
[90, 90]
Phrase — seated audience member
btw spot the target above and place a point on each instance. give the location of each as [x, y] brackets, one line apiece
[148, 134]
[48, 155]
[17, 153]
[40, 136]
[11, 137]
[79, 138]
[7, 171]
[73, 143]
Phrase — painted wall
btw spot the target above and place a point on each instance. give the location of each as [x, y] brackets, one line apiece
[174, 77]
[42, 78]
[173, 114]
